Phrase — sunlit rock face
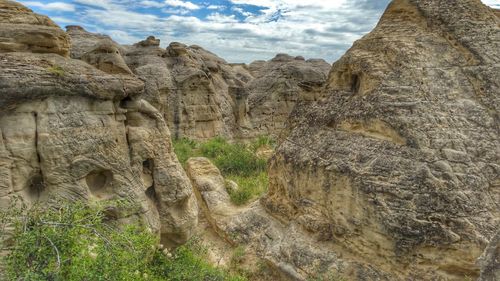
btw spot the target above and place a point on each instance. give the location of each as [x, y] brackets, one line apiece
[22, 30]
[277, 86]
[397, 164]
[203, 96]
[72, 132]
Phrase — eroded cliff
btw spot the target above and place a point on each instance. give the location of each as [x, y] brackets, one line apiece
[397, 165]
[73, 132]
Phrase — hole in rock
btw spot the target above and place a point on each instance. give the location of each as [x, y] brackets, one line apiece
[355, 83]
[36, 187]
[151, 194]
[123, 102]
[147, 172]
[98, 180]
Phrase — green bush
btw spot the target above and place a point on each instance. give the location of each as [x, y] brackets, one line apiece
[249, 187]
[184, 149]
[236, 161]
[73, 242]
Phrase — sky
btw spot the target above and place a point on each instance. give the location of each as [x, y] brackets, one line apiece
[236, 30]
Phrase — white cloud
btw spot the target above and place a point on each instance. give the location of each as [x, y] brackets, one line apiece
[241, 11]
[153, 4]
[53, 6]
[216, 7]
[182, 4]
[219, 18]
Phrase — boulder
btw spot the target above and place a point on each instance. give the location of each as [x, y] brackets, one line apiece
[277, 86]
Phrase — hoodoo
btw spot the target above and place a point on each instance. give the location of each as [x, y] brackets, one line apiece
[397, 165]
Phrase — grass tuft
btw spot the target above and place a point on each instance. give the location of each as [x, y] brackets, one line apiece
[56, 70]
[236, 161]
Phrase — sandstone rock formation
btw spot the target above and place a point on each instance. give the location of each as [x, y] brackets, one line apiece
[195, 89]
[98, 50]
[396, 166]
[284, 247]
[70, 131]
[203, 96]
[277, 86]
[25, 31]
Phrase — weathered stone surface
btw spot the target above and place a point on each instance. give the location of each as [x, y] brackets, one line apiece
[69, 131]
[396, 166]
[277, 86]
[490, 260]
[204, 101]
[23, 30]
[97, 50]
[285, 247]
[202, 96]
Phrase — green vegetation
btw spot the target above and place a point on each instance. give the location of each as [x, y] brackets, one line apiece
[56, 70]
[236, 161]
[75, 243]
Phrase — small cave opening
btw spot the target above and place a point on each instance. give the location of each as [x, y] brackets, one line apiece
[151, 194]
[355, 83]
[123, 102]
[148, 166]
[36, 187]
[148, 179]
[98, 180]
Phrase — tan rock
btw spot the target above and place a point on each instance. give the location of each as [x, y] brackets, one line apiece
[277, 86]
[23, 30]
[97, 50]
[395, 167]
[72, 132]
[203, 96]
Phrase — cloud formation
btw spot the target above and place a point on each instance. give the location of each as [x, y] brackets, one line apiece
[237, 30]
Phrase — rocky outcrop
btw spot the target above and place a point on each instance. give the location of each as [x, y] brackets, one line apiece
[195, 89]
[203, 96]
[283, 247]
[277, 86]
[97, 50]
[22, 30]
[72, 132]
[396, 165]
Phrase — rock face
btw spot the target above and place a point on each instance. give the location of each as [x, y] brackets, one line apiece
[277, 86]
[70, 131]
[196, 90]
[285, 247]
[22, 30]
[397, 165]
[202, 96]
[97, 50]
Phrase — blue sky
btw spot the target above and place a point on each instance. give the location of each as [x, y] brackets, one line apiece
[236, 30]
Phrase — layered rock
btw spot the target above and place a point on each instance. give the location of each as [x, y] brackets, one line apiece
[277, 86]
[72, 132]
[284, 247]
[203, 96]
[22, 30]
[97, 50]
[196, 90]
[396, 166]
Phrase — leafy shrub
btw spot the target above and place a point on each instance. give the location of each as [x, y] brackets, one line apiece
[73, 242]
